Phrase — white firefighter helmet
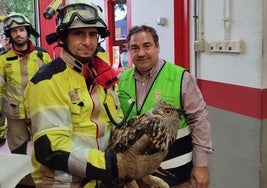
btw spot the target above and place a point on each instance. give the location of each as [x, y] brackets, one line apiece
[17, 20]
[81, 13]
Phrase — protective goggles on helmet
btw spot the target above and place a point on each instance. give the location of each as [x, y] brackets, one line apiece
[86, 13]
[18, 19]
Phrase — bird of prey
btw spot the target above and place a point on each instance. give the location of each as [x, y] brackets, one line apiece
[161, 124]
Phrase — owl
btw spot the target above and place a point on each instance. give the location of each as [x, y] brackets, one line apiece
[161, 124]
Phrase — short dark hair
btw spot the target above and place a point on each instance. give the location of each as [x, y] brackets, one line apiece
[143, 28]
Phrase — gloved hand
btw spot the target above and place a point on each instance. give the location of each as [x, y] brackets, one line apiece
[135, 165]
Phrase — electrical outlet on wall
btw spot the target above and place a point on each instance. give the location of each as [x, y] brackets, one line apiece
[236, 46]
[214, 46]
[227, 46]
[224, 45]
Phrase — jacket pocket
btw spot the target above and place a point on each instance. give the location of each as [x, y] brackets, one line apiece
[11, 108]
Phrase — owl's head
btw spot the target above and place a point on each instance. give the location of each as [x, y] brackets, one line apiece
[164, 124]
[164, 109]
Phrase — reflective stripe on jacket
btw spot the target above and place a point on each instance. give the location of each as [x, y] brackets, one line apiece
[74, 122]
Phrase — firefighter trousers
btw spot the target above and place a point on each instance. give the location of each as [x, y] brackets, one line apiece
[18, 135]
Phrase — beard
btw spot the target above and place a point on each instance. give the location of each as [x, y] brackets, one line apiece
[20, 41]
[83, 60]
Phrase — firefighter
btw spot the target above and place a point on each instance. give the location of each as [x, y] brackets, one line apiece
[5, 46]
[2, 130]
[17, 66]
[70, 125]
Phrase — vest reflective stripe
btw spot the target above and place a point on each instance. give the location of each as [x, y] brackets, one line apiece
[177, 161]
[183, 132]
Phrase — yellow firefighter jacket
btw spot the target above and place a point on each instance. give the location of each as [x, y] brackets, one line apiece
[70, 126]
[16, 69]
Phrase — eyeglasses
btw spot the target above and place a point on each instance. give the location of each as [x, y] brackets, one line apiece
[86, 13]
[17, 19]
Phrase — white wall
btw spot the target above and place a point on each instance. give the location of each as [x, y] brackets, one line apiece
[147, 12]
[246, 69]
[243, 69]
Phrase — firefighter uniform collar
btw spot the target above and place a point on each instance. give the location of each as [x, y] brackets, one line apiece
[97, 71]
[29, 49]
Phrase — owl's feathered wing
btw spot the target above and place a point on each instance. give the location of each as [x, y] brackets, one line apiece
[160, 124]
[130, 132]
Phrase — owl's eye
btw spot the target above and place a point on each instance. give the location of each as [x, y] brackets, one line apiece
[167, 111]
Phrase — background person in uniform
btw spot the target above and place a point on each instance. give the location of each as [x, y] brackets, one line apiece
[5, 45]
[70, 126]
[17, 66]
[153, 79]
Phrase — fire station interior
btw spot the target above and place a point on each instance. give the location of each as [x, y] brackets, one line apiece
[232, 75]
[15, 169]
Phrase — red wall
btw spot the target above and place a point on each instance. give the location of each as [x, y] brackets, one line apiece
[181, 34]
[47, 27]
[243, 100]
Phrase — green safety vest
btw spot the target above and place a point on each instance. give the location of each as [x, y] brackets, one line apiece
[166, 87]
